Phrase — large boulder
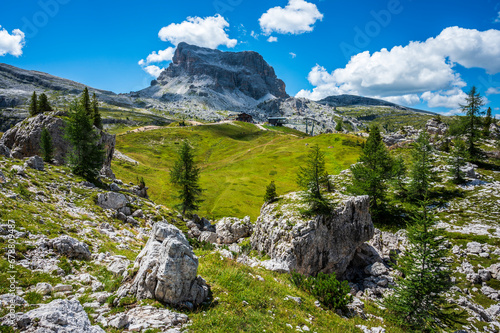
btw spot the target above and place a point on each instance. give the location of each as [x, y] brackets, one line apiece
[23, 140]
[324, 243]
[436, 126]
[230, 229]
[71, 247]
[112, 200]
[59, 315]
[167, 269]
[34, 162]
[145, 317]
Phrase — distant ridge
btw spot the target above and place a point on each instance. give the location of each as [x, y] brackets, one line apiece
[351, 100]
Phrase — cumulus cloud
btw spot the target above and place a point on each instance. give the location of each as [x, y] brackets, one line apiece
[493, 91]
[272, 39]
[419, 70]
[296, 18]
[162, 55]
[153, 70]
[11, 43]
[206, 32]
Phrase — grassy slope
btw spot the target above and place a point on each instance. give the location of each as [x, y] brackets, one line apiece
[237, 162]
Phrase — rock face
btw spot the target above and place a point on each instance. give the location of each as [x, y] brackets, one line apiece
[435, 126]
[23, 140]
[321, 244]
[238, 80]
[57, 316]
[167, 270]
[230, 229]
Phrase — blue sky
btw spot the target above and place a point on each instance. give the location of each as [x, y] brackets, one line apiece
[424, 54]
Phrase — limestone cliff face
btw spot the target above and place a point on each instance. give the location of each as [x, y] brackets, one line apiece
[311, 245]
[199, 71]
[23, 139]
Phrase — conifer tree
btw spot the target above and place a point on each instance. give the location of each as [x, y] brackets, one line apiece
[473, 122]
[420, 171]
[457, 161]
[85, 102]
[270, 192]
[33, 105]
[372, 174]
[418, 302]
[96, 115]
[185, 175]
[311, 177]
[488, 120]
[43, 104]
[338, 127]
[86, 155]
[399, 173]
[46, 146]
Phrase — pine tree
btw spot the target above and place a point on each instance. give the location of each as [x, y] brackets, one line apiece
[457, 161]
[96, 115]
[33, 105]
[420, 171]
[473, 122]
[311, 177]
[418, 302]
[488, 120]
[270, 192]
[46, 146]
[399, 173]
[43, 104]
[185, 176]
[338, 127]
[85, 102]
[86, 154]
[372, 174]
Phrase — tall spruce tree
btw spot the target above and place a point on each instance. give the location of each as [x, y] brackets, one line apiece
[96, 115]
[185, 176]
[371, 176]
[311, 177]
[86, 155]
[46, 147]
[457, 161]
[43, 104]
[85, 102]
[488, 120]
[271, 194]
[473, 122]
[418, 303]
[420, 171]
[33, 105]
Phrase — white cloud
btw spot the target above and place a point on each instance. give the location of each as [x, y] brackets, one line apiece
[497, 19]
[447, 99]
[408, 100]
[293, 55]
[493, 91]
[11, 43]
[272, 39]
[423, 70]
[296, 18]
[153, 70]
[254, 34]
[162, 55]
[206, 32]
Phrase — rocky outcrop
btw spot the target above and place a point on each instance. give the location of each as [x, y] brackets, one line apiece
[230, 229]
[405, 134]
[145, 317]
[58, 316]
[70, 247]
[435, 126]
[495, 130]
[325, 243]
[23, 140]
[34, 162]
[167, 270]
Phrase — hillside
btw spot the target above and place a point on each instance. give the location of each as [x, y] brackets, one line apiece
[238, 161]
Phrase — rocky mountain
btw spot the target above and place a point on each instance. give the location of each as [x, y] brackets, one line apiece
[17, 85]
[353, 100]
[222, 80]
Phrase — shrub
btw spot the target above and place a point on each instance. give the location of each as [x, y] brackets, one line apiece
[330, 292]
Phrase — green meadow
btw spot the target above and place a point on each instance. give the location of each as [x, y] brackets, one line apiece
[237, 161]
